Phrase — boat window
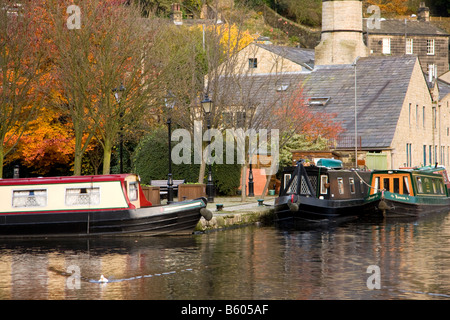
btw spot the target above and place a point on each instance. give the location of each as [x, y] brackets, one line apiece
[132, 191]
[386, 184]
[419, 184]
[340, 185]
[376, 187]
[82, 196]
[437, 183]
[352, 185]
[324, 184]
[396, 185]
[405, 185]
[426, 184]
[29, 198]
[287, 177]
[292, 187]
[433, 182]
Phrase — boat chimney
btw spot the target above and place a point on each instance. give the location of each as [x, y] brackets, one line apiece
[16, 172]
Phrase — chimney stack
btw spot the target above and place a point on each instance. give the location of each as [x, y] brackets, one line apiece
[342, 33]
[177, 14]
[423, 13]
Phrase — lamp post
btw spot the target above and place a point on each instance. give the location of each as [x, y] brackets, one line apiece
[251, 193]
[207, 106]
[356, 117]
[118, 95]
[170, 103]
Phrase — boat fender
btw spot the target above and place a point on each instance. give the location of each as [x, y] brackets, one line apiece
[293, 206]
[207, 214]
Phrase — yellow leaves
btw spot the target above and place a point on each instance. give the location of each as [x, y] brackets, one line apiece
[234, 37]
[397, 7]
[231, 37]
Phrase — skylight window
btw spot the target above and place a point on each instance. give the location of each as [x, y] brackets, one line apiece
[282, 87]
[318, 101]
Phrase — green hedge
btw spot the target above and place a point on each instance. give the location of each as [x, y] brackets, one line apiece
[151, 163]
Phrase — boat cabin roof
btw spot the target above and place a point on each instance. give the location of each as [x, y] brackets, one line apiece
[65, 179]
[424, 172]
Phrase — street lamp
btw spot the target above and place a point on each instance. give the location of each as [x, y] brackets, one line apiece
[207, 106]
[170, 104]
[251, 192]
[356, 117]
[118, 95]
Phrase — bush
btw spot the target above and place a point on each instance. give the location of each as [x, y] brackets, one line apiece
[151, 163]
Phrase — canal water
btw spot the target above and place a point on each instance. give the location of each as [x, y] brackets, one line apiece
[356, 259]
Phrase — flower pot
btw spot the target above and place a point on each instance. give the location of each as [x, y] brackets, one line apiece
[191, 191]
[152, 194]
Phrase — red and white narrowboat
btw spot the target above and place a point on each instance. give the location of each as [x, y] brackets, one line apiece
[83, 206]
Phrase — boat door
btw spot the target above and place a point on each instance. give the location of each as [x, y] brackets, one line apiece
[133, 190]
[399, 183]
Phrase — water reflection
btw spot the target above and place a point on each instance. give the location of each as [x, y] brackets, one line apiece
[326, 262]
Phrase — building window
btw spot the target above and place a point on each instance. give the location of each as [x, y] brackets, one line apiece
[318, 101]
[409, 114]
[432, 72]
[409, 46]
[253, 63]
[386, 46]
[424, 155]
[423, 117]
[408, 155]
[430, 46]
[417, 115]
[430, 154]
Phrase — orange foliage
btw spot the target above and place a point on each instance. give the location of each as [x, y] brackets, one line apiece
[46, 142]
[396, 7]
[299, 118]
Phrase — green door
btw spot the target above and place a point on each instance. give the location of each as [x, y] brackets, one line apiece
[376, 161]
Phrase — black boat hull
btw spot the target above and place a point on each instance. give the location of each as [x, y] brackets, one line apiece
[181, 217]
[305, 208]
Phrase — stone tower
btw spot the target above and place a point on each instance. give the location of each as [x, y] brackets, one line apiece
[342, 33]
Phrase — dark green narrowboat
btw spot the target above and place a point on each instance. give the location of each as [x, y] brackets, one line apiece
[409, 192]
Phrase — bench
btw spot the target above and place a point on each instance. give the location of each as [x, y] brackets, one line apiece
[163, 187]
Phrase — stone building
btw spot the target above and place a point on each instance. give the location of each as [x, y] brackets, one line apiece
[260, 58]
[394, 37]
[398, 121]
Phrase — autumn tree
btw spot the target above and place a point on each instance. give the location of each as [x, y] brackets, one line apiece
[22, 68]
[103, 70]
[391, 7]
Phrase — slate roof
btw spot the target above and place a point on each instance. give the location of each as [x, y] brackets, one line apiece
[411, 27]
[444, 88]
[302, 56]
[382, 83]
